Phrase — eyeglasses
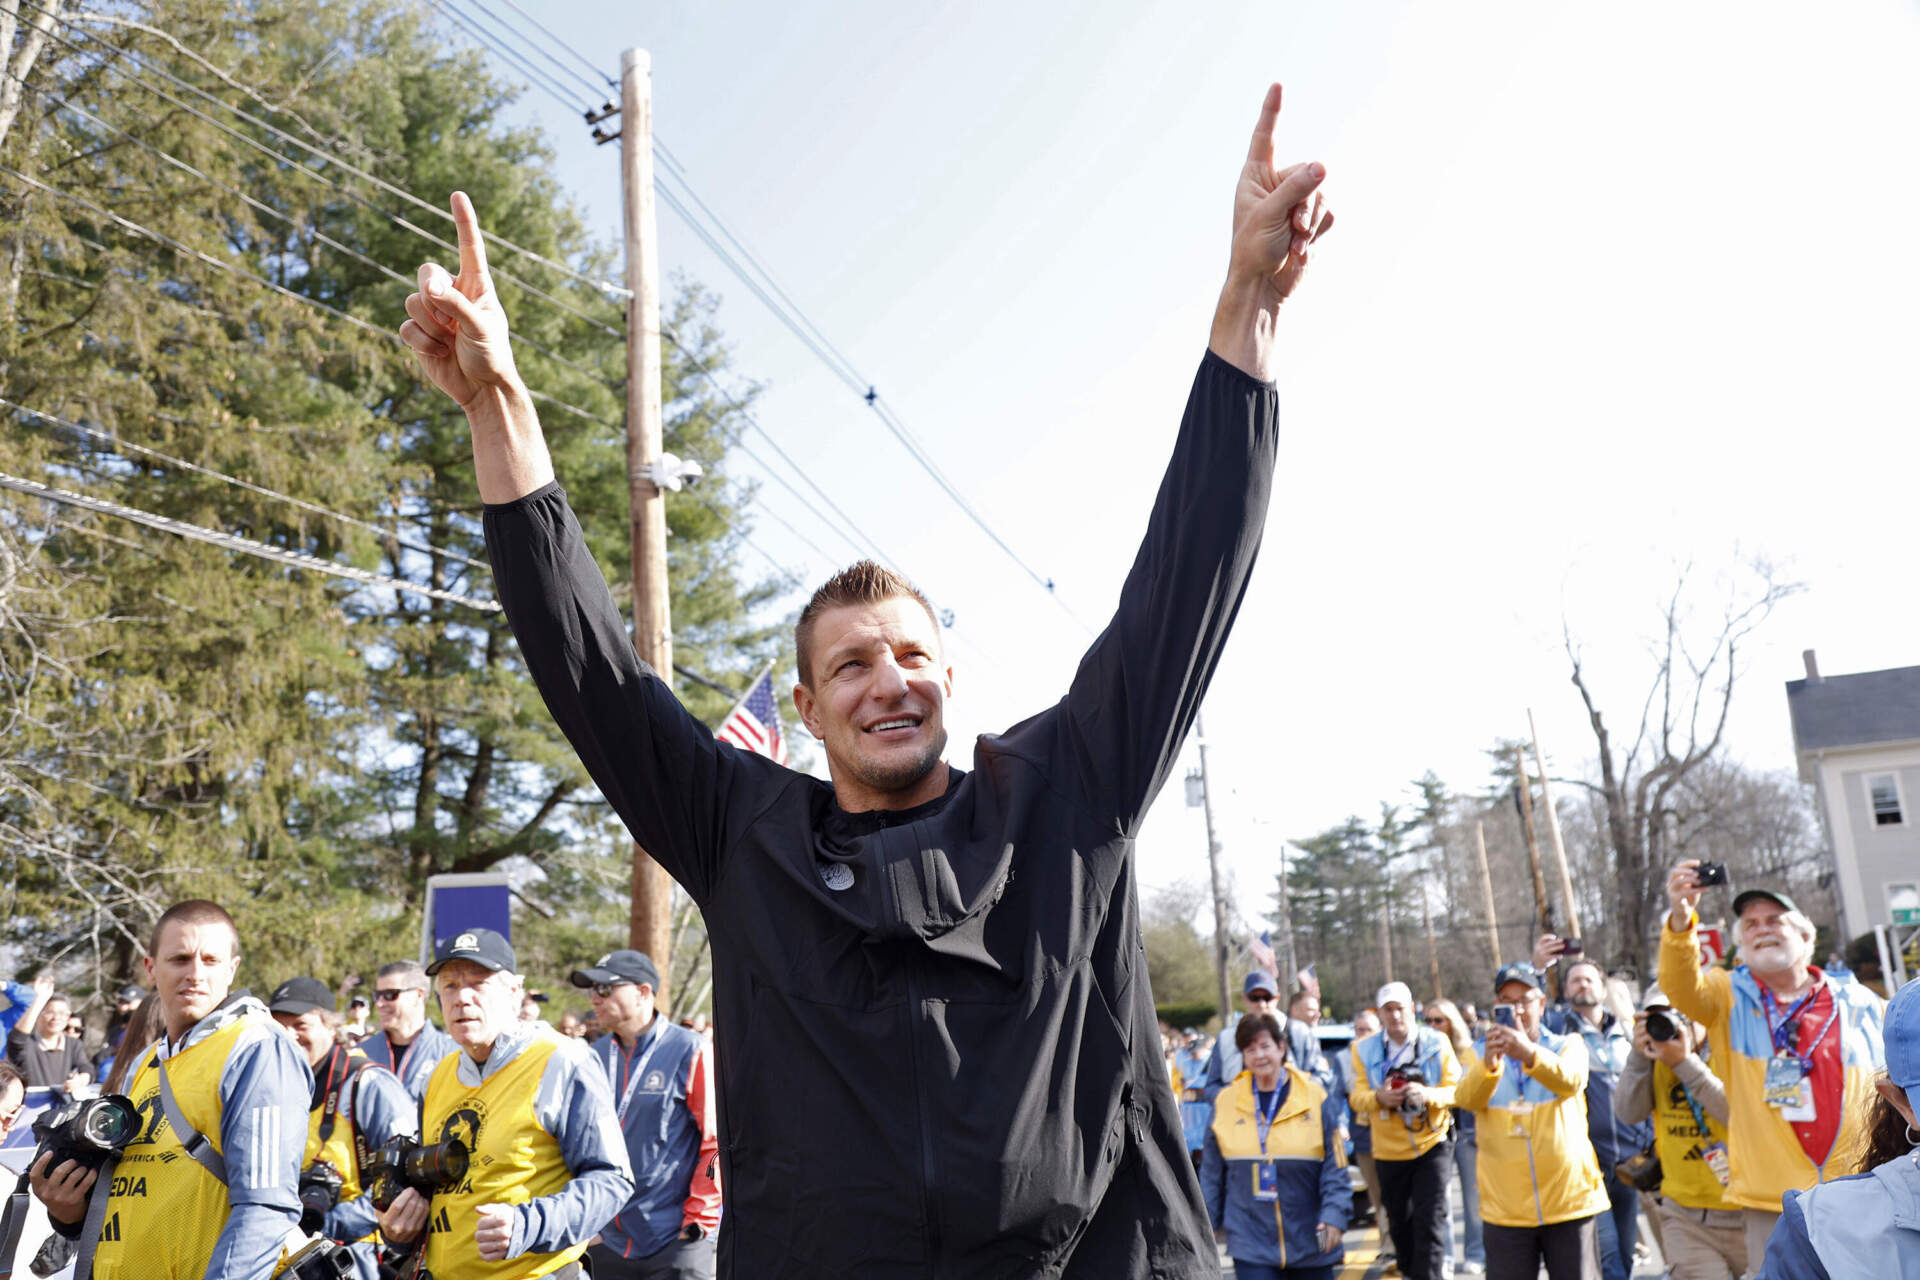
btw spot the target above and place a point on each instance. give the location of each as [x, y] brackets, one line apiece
[1437, 1022]
[394, 993]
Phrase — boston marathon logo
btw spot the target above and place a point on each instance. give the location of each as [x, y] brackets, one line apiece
[466, 942]
[465, 1126]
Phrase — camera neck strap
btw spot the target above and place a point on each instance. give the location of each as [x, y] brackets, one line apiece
[96, 1219]
[197, 1144]
[11, 1224]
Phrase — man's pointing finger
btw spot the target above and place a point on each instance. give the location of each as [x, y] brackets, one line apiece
[1260, 150]
[473, 247]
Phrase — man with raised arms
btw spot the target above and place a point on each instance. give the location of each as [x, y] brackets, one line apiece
[937, 1050]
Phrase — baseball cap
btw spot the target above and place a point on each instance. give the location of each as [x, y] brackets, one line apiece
[300, 995]
[131, 993]
[1655, 999]
[1748, 896]
[357, 1000]
[1395, 993]
[1259, 980]
[1902, 1038]
[1518, 971]
[619, 966]
[482, 946]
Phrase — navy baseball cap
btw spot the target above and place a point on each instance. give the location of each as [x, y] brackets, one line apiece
[1902, 1038]
[482, 946]
[1518, 971]
[1259, 980]
[300, 995]
[131, 994]
[619, 966]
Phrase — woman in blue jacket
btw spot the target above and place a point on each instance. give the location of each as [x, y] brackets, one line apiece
[1273, 1171]
[1867, 1224]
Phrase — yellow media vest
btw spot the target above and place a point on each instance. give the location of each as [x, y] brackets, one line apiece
[166, 1212]
[1685, 1176]
[337, 1150]
[513, 1160]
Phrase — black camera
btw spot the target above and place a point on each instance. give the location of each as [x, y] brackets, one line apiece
[403, 1162]
[1710, 873]
[319, 1258]
[320, 1185]
[1664, 1025]
[88, 1131]
[1401, 1077]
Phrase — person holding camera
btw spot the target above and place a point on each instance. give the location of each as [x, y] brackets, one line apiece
[543, 1167]
[661, 1076]
[1669, 1082]
[1609, 1042]
[357, 1108]
[1403, 1082]
[406, 1044]
[1273, 1171]
[1540, 1185]
[1798, 1053]
[207, 1185]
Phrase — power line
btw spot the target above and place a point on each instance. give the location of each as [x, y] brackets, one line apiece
[289, 221]
[577, 55]
[607, 288]
[538, 79]
[233, 542]
[596, 90]
[315, 175]
[237, 482]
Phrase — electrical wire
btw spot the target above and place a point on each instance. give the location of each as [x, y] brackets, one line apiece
[165, 459]
[233, 542]
[594, 89]
[538, 79]
[607, 288]
[577, 55]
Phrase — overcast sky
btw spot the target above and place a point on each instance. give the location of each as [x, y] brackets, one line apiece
[1614, 291]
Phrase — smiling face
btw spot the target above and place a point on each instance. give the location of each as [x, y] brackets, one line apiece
[477, 1004]
[1771, 942]
[192, 970]
[876, 696]
[54, 1016]
[310, 1029]
[1264, 1058]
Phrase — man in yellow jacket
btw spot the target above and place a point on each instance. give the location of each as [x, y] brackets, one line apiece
[1540, 1185]
[1403, 1083]
[1798, 1053]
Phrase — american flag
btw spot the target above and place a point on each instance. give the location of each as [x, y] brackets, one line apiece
[1309, 981]
[1262, 951]
[754, 723]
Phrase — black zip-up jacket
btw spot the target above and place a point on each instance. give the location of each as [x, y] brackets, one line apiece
[937, 1053]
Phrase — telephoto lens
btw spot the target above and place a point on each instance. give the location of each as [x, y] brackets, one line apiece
[89, 1131]
[403, 1162]
[1663, 1025]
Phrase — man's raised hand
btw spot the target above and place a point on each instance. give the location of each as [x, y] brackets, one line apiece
[1278, 214]
[455, 325]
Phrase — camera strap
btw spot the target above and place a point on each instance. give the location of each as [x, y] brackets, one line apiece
[96, 1218]
[196, 1142]
[12, 1222]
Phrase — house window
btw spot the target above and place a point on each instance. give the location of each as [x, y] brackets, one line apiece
[1883, 792]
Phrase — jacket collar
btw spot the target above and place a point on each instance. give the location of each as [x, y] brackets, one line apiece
[236, 1007]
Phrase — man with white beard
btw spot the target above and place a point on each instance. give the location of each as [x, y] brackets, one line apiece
[1798, 1053]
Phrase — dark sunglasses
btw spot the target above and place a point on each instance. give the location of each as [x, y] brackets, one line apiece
[394, 993]
[605, 989]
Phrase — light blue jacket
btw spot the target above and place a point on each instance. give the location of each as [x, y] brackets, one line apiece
[1864, 1225]
[1310, 1174]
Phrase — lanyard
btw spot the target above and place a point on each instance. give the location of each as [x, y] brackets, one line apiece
[1699, 1120]
[1263, 1118]
[1782, 1032]
[638, 1073]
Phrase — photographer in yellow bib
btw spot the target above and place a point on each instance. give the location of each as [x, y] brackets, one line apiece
[547, 1165]
[210, 1191]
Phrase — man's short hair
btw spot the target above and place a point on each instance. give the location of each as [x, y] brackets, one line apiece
[862, 583]
[412, 970]
[1591, 963]
[192, 911]
[1293, 1002]
[1252, 1025]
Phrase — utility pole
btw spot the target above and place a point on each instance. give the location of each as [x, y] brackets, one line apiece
[650, 927]
[1290, 963]
[1213, 874]
[1486, 885]
[1553, 829]
[1542, 905]
[1433, 953]
[1386, 928]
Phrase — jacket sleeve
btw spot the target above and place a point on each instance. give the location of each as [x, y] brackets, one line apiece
[1336, 1188]
[662, 770]
[1210, 1082]
[703, 1190]
[1138, 688]
[1701, 994]
[381, 1110]
[1633, 1091]
[1790, 1253]
[575, 1105]
[1441, 1097]
[1706, 1087]
[1477, 1083]
[265, 1092]
[1213, 1181]
[1565, 1072]
[1304, 1049]
[1360, 1097]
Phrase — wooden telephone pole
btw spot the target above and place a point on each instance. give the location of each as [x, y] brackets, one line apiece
[1553, 829]
[1542, 904]
[650, 927]
[1486, 885]
[1213, 874]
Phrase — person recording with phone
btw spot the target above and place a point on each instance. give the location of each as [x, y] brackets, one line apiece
[1798, 1053]
[1609, 1042]
[521, 1120]
[1668, 1081]
[1540, 1186]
